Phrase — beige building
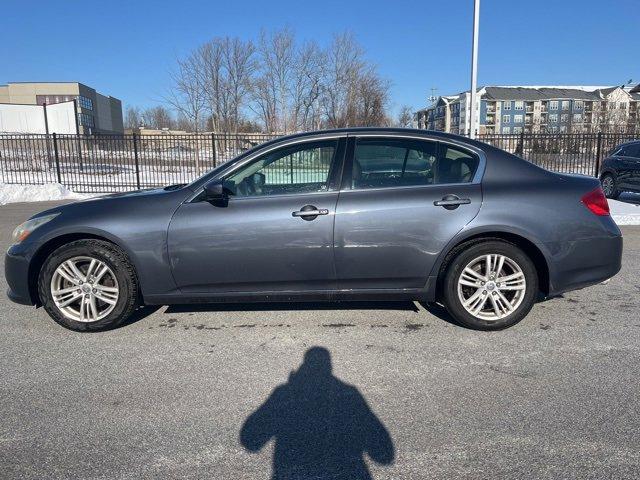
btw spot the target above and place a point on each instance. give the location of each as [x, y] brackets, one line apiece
[97, 113]
[537, 109]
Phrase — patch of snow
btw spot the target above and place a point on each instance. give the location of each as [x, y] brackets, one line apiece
[37, 193]
[625, 213]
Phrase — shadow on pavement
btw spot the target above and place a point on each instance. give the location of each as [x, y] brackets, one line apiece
[321, 426]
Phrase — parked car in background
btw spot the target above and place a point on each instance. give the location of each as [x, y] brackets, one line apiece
[620, 171]
[358, 214]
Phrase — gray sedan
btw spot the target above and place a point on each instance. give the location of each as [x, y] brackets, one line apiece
[355, 214]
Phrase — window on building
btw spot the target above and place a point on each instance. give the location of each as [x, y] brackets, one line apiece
[517, 119]
[564, 118]
[553, 117]
[52, 99]
[506, 105]
[519, 105]
[622, 105]
[506, 129]
[506, 119]
[577, 105]
[553, 105]
[85, 102]
[565, 105]
[577, 117]
[86, 120]
[517, 129]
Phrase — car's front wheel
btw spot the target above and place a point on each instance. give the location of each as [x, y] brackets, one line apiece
[88, 285]
[490, 285]
[609, 186]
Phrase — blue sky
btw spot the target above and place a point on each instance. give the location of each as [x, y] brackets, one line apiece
[126, 48]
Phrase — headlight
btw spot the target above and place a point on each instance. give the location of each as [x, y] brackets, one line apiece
[22, 231]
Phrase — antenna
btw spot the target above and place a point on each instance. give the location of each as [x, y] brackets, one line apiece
[432, 98]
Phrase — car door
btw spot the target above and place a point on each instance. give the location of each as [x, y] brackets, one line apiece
[633, 165]
[403, 200]
[624, 166]
[261, 239]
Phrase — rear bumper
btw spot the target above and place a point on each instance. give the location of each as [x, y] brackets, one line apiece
[582, 263]
[16, 272]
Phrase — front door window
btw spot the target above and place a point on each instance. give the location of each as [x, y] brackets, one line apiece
[298, 169]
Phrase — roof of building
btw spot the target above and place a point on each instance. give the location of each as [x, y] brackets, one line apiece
[544, 93]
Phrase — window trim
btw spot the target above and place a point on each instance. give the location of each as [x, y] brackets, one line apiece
[334, 173]
[346, 140]
[350, 154]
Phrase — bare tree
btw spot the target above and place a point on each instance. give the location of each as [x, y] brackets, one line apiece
[405, 117]
[132, 118]
[212, 81]
[287, 86]
[272, 88]
[344, 64]
[306, 87]
[371, 100]
[157, 117]
[187, 96]
[239, 62]
[353, 92]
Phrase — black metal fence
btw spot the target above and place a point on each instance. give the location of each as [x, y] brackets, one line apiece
[565, 152]
[111, 163]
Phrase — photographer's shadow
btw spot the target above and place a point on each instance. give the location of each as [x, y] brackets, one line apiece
[322, 426]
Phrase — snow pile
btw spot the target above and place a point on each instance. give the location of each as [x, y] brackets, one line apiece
[625, 213]
[36, 193]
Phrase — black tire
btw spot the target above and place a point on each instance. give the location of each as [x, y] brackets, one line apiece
[466, 255]
[610, 192]
[115, 259]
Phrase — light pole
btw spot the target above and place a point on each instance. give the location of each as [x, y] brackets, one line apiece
[474, 67]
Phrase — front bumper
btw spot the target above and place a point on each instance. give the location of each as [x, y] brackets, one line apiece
[583, 263]
[16, 272]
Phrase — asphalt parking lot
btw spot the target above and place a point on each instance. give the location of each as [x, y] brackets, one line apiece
[188, 392]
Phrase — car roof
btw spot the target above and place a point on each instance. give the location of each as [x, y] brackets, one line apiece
[382, 130]
[632, 142]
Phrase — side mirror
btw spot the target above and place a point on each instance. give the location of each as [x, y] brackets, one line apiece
[214, 191]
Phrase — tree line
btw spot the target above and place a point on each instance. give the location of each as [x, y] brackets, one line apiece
[275, 85]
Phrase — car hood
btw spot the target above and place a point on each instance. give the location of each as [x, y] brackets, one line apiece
[132, 196]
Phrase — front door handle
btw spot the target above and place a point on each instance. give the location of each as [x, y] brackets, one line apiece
[451, 202]
[310, 212]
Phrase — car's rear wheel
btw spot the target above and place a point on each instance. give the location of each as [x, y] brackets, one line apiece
[490, 285]
[609, 186]
[88, 285]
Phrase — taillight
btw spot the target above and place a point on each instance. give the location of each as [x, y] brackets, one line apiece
[596, 202]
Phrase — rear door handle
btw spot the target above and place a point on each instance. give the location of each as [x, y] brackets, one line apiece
[451, 202]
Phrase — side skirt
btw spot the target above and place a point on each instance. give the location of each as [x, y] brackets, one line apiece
[426, 294]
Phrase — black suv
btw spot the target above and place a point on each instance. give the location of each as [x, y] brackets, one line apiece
[620, 171]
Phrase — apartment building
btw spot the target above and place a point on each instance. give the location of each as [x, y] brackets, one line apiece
[96, 113]
[532, 109]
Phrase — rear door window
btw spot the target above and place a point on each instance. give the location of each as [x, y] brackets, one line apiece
[393, 162]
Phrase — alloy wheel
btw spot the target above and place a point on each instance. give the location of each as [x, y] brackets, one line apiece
[84, 289]
[608, 185]
[491, 287]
